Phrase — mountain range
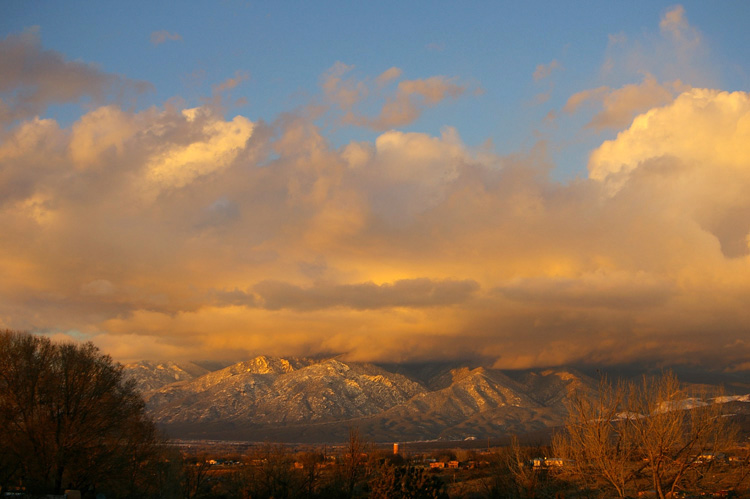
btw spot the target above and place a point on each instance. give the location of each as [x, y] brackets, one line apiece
[319, 400]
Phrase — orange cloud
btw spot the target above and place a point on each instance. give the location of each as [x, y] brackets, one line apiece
[184, 233]
[402, 108]
[620, 106]
[231, 83]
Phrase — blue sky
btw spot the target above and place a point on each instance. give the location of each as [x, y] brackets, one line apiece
[533, 183]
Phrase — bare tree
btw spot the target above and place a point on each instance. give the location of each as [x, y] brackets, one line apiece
[526, 480]
[354, 463]
[676, 429]
[271, 474]
[598, 446]
[653, 430]
[311, 466]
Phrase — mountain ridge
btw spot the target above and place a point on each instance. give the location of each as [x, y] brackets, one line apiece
[318, 400]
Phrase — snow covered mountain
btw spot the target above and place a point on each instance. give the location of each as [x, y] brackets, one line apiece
[277, 391]
[150, 375]
[318, 400]
[315, 400]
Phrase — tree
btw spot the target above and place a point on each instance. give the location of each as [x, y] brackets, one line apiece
[68, 418]
[352, 467]
[195, 474]
[650, 433]
[513, 476]
[598, 446]
[311, 466]
[271, 474]
[405, 482]
[675, 428]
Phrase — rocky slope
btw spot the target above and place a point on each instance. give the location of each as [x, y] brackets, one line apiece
[279, 391]
[309, 400]
[318, 400]
[150, 375]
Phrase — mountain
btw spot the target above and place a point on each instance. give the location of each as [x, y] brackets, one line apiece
[269, 390]
[149, 375]
[480, 403]
[318, 400]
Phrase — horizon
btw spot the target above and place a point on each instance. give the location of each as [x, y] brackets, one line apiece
[536, 185]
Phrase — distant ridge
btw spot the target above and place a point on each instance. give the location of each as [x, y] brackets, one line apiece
[318, 400]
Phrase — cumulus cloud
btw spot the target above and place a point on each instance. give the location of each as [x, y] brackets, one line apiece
[186, 233]
[162, 36]
[216, 144]
[264, 238]
[33, 78]
[698, 143]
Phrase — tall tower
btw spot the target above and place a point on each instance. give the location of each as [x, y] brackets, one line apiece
[395, 449]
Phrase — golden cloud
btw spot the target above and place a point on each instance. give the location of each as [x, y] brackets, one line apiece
[267, 239]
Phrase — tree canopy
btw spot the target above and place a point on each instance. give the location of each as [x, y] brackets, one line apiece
[68, 419]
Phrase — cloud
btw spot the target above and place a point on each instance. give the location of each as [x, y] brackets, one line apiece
[388, 75]
[182, 232]
[264, 238]
[34, 78]
[105, 131]
[159, 37]
[543, 71]
[345, 93]
[402, 108]
[674, 25]
[668, 63]
[591, 290]
[621, 105]
[216, 144]
[231, 83]
[411, 97]
[663, 146]
[677, 52]
[408, 293]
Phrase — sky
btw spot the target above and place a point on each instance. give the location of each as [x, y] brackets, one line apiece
[532, 184]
